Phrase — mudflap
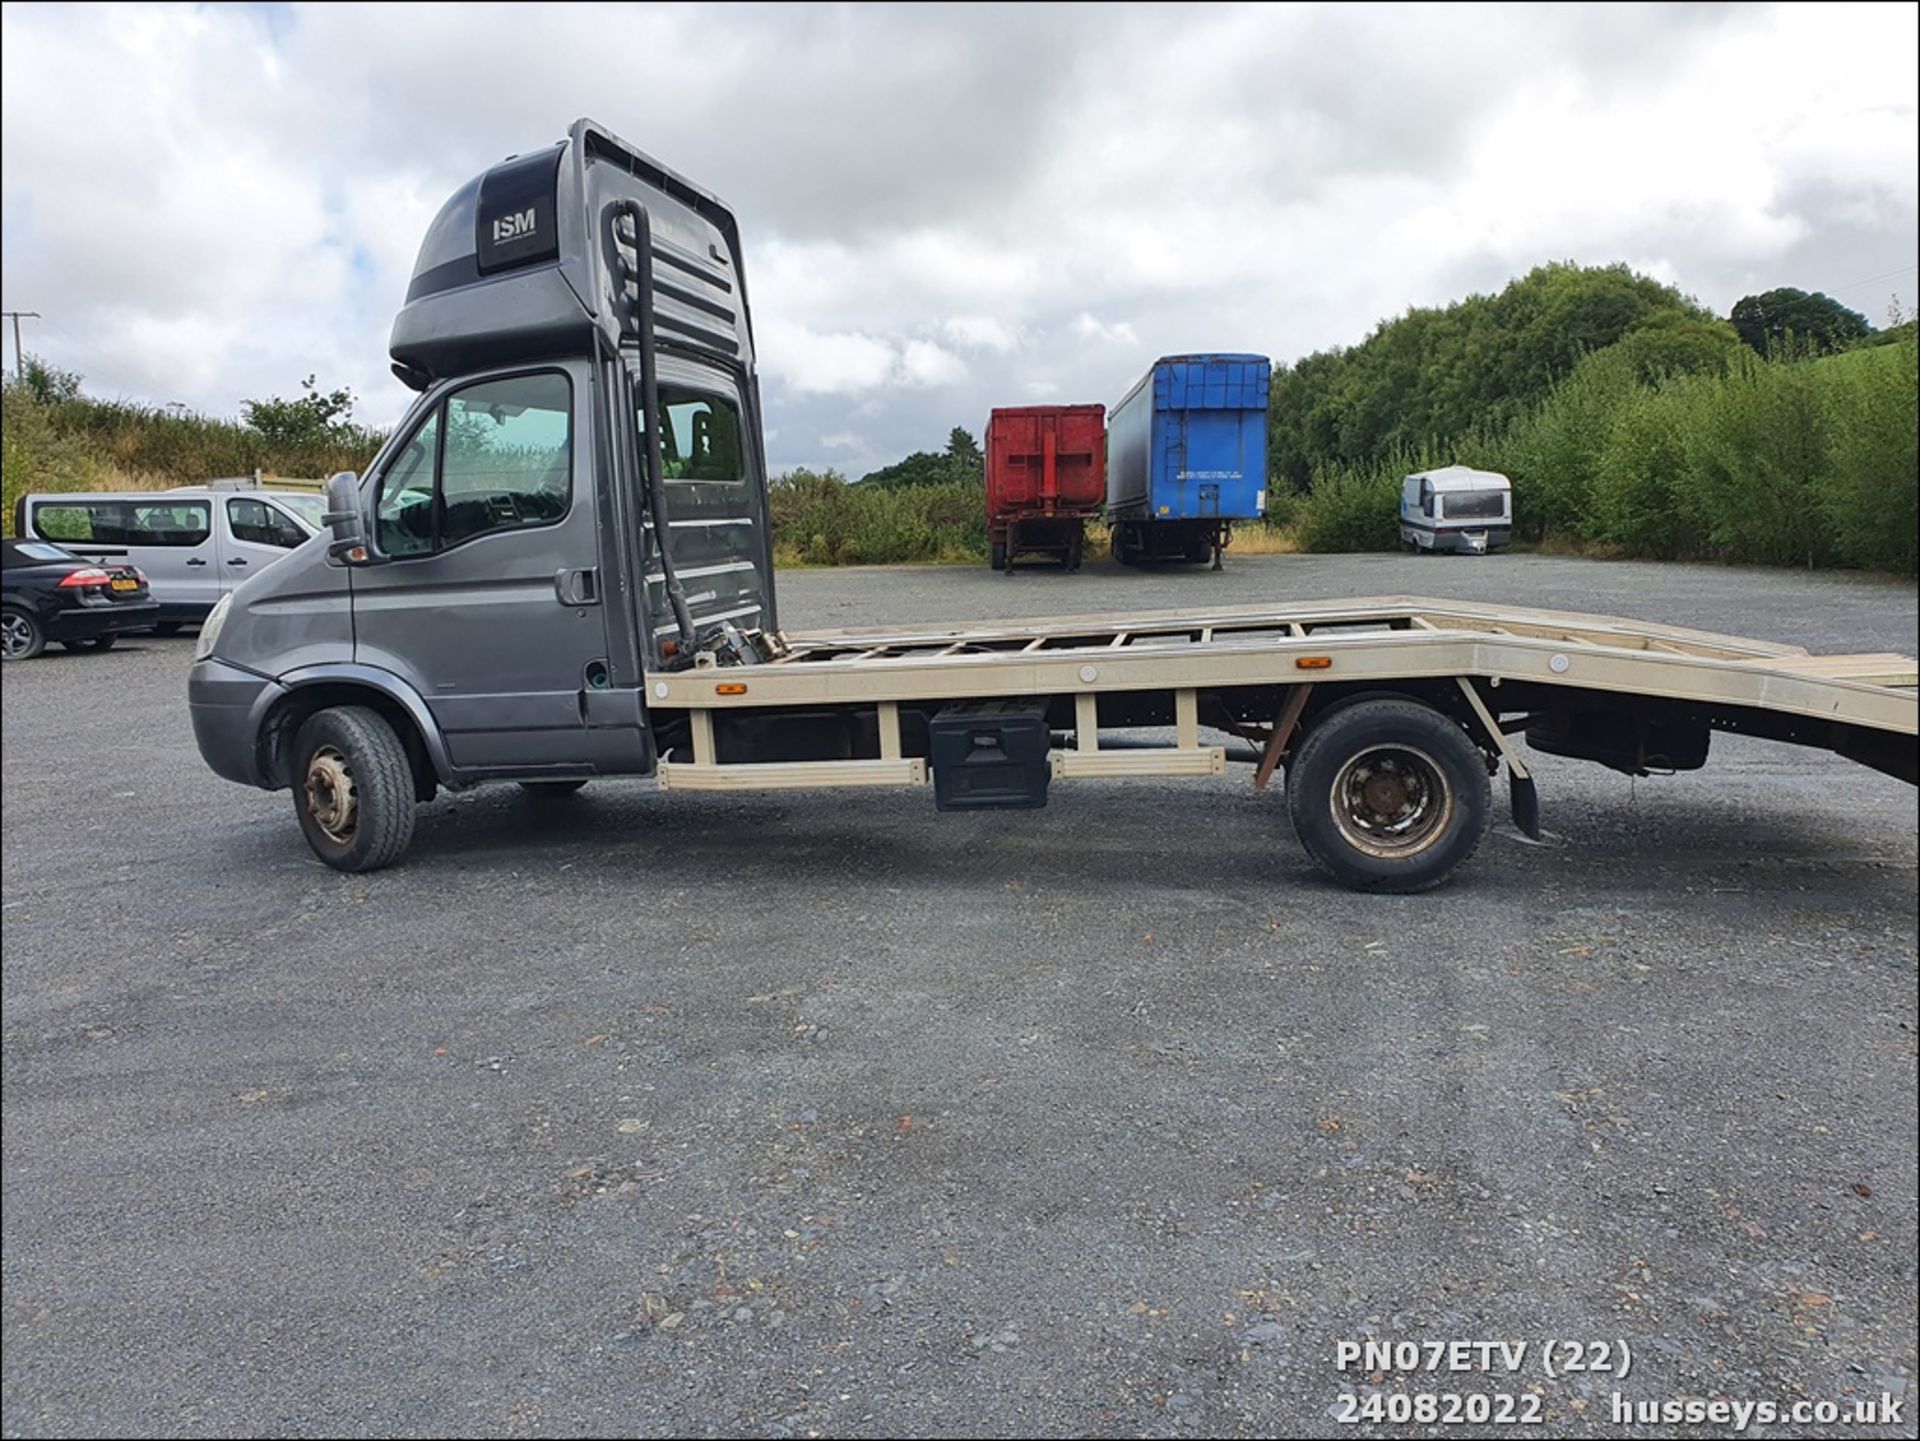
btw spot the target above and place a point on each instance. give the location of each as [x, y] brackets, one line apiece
[1526, 804]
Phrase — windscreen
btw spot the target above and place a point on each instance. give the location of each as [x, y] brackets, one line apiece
[309, 508]
[1474, 505]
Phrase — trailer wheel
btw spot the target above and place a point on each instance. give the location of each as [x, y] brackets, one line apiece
[352, 788]
[997, 555]
[1389, 795]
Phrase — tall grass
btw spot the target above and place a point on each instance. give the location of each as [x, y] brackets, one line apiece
[79, 443]
[819, 519]
[1785, 461]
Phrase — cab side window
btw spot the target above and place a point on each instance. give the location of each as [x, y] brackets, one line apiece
[403, 521]
[494, 456]
[258, 523]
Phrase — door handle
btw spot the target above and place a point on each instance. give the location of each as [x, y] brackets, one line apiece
[577, 587]
[196, 562]
[238, 560]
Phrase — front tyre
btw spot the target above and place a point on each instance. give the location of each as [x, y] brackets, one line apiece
[1389, 796]
[353, 788]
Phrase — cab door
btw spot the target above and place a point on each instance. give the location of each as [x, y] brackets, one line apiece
[486, 594]
[254, 533]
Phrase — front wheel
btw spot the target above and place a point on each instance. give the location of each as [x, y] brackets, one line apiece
[353, 788]
[1389, 795]
[20, 635]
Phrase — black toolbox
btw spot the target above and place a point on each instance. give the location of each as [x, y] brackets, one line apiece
[990, 755]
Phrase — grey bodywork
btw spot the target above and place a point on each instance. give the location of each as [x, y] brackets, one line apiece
[523, 653]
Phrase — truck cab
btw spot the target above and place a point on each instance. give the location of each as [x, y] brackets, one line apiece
[576, 498]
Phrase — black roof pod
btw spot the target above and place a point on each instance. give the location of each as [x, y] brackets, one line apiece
[524, 263]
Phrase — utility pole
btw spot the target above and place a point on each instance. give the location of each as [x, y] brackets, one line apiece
[19, 359]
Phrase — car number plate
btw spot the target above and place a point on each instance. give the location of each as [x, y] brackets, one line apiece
[124, 582]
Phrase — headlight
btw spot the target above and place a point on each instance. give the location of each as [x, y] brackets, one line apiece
[210, 627]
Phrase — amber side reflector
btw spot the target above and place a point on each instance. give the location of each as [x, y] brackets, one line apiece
[1313, 662]
[730, 688]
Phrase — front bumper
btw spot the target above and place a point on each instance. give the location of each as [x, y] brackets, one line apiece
[227, 706]
[1476, 540]
[86, 622]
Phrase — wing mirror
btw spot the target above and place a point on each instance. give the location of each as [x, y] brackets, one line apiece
[344, 518]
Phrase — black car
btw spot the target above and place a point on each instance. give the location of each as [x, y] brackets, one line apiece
[47, 593]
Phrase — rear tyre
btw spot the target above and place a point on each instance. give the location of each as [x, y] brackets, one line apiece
[1199, 548]
[98, 642]
[550, 790]
[997, 555]
[353, 788]
[1076, 548]
[20, 635]
[1389, 796]
[167, 627]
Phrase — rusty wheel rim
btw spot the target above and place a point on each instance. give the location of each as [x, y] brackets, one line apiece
[1391, 801]
[332, 800]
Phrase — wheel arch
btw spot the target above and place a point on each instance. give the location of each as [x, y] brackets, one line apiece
[316, 688]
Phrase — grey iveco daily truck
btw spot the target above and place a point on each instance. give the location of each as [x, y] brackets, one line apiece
[559, 568]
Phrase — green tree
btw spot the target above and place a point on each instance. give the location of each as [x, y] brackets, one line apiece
[315, 417]
[1430, 377]
[1788, 316]
[46, 383]
[960, 463]
[963, 451]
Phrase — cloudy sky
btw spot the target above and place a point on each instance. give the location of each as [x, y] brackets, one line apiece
[944, 208]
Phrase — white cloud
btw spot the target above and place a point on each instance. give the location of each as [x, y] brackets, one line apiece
[982, 332]
[1119, 332]
[929, 366]
[239, 208]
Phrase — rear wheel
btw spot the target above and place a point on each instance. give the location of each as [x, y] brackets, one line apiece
[98, 642]
[1389, 795]
[1076, 548]
[20, 635]
[997, 555]
[353, 789]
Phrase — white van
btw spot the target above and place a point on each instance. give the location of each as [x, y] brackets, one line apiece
[195, 544]
[1456, 508]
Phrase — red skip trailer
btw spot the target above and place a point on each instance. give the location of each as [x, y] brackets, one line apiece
[1046, 475]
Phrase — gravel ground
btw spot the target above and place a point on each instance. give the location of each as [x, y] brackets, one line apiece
[680, 1113]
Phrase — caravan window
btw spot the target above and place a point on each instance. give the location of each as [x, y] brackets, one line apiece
[1426, 497]
[1476, 505]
